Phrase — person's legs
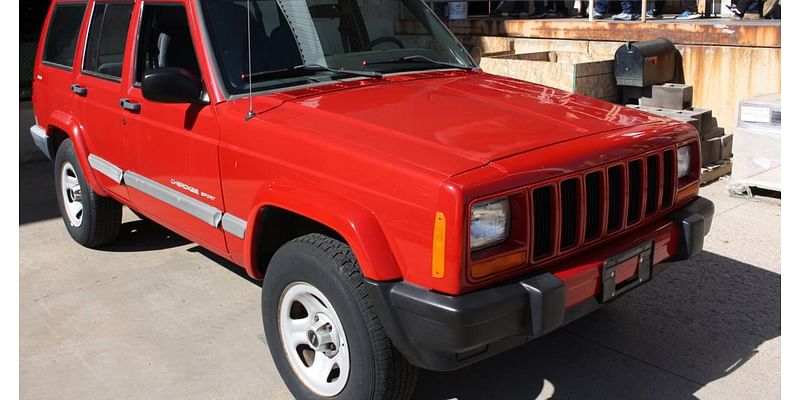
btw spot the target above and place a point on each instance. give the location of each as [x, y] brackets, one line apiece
[538, 7]
[658, 7]
[630, 11]
[690, 10]
[630, 7]
[601, 8]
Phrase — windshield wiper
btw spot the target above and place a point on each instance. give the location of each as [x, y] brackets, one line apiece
[305, 69]
[419, 58]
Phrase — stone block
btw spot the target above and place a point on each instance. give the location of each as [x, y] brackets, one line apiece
[711, 150]
[673, 95]
[727, 147]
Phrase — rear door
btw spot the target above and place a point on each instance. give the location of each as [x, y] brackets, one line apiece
[54, 73]
[175, 175]
[98, 88]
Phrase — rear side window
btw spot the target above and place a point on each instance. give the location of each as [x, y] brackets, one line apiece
[59, 48]
[106, 43]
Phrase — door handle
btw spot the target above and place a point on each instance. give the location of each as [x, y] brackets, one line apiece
[131, 106]
[79, 90]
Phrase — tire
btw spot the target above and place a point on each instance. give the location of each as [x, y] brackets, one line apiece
[313, 285]
[91, 220]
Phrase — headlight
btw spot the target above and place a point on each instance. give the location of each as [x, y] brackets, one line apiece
[489, 224]
[684, 161]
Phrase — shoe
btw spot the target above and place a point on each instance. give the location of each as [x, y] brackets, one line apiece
[653, 15]
[733, 9]
[769, 6]
[688, 15]
[623, 16]
[598, 15]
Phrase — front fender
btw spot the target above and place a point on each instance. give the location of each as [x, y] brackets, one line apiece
[354, 222]
[73, 129]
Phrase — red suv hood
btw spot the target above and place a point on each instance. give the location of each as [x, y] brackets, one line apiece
[451, 122]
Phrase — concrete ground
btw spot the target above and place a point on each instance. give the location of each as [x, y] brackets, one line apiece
[154, 316]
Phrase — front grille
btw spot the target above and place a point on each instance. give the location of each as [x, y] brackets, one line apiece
[543, 213]
[587, 207]
[569, 213]
[634, 191]
[594, 202]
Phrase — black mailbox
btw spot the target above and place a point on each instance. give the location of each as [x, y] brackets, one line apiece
[643, 64]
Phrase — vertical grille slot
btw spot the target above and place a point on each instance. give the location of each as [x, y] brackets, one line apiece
[653, 171]
[543, 213]
[634, 191]
[569, 213]
[669, 179]
[594, 201]
[615, 196]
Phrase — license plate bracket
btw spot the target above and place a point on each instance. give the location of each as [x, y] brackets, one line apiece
[639, 258]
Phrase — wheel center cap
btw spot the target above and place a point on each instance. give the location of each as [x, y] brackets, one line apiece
[323, 335]
[313, 339]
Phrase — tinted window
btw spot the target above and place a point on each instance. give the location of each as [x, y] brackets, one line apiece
[63, 34]
[365, 35]
[106, 43]
[228, 32]
[165, 41]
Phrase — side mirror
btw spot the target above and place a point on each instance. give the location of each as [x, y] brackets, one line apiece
[171, 85]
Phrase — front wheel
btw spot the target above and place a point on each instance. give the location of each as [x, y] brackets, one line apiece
[323, 333]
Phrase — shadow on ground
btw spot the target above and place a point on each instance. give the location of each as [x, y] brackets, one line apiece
[37, 193]
[144, 235]
[693, 324]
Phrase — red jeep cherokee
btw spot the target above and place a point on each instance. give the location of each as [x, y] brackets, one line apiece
[404, 208]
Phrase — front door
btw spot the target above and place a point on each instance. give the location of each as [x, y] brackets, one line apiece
[174, 177]
[97, 90]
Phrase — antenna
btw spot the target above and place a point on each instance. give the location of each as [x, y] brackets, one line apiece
[250, 113]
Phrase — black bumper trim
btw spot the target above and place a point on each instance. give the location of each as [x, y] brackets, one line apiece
[695, 222]
[442, 332]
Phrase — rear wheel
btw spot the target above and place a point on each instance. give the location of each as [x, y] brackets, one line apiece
[323, 333]
[91, 220]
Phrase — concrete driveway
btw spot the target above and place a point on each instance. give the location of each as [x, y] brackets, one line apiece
[154, 316]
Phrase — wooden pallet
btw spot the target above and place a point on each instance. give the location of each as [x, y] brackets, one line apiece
[712, 172]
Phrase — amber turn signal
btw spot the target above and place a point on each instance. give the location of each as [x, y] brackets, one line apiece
[495, 265]
[439, 226]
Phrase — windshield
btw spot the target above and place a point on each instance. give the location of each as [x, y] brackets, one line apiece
[383, 36]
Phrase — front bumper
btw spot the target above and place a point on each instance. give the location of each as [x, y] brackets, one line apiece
[442, 332]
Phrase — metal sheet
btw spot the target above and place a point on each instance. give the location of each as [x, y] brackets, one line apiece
[234, 225]
[208, 214]
[106, 168]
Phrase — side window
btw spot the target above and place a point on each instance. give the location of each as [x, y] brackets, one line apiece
[62, 34]
[165, 41]
[106, 43]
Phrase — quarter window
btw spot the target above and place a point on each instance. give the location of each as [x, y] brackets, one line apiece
[62, 35]
[105, 46]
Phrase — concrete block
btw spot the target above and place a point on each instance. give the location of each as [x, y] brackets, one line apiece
[711, 150]
[727, 147]
[713, 133]
[679, 115]
[673, 95]
[700, 114]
